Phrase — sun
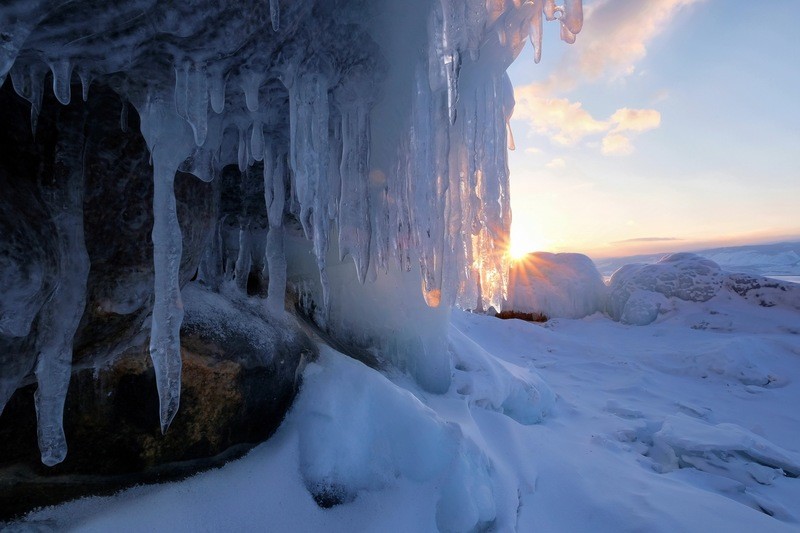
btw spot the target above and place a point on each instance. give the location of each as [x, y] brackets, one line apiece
[521, 247]
[523, 243]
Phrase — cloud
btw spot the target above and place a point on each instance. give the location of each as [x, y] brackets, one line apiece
[614, 39]
[635, 119]
[567, 123]
[616, 144]
[647, 239]
[558, 162]
[563, 121]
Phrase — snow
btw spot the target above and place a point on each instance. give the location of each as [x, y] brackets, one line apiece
[688, 424]
[556, 285]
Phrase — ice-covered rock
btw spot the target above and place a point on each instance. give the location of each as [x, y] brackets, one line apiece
[638, 291]
[556, 285]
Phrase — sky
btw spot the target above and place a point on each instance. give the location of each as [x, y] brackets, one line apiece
[669, 125]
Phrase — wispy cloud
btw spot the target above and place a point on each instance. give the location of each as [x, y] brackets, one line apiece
[558, 162]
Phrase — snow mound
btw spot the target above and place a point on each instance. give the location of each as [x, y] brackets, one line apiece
[555, 285]
[360, 432]
[685, 276]
[495, 385]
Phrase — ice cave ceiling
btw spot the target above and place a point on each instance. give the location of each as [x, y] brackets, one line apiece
[380, 126]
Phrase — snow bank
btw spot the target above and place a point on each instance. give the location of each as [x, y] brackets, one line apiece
[555, 285]
[360, 432]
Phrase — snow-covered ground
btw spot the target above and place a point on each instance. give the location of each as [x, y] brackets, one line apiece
[688, 424]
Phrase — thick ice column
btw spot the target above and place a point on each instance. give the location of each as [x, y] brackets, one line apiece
[61, 315]
[170, 140]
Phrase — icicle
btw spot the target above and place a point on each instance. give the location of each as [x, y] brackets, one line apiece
[573, 16]
[28, 83]
[276, 264]
[276, 260]
[536, 31]
[200, 163]
[275, 14]
[170, 141]
[354, 223]
[197, 103]
[217, 91]
[86, 81]
[181, 89]
[123, 117]
[566, 35]
[257, 140]
[244, 261]
[550, 9]
[61, 315]
[242, 152]
[251, 84]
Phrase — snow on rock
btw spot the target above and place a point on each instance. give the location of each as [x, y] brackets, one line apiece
[685, 276]
[564, 285]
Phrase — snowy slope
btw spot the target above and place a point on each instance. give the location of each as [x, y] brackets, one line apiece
[688, 424]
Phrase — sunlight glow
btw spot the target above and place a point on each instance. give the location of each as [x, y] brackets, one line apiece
[523, 245]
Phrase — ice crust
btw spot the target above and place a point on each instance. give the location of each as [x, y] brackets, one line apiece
[214, 85]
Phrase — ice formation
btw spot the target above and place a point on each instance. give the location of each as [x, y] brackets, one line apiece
[382, 125]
